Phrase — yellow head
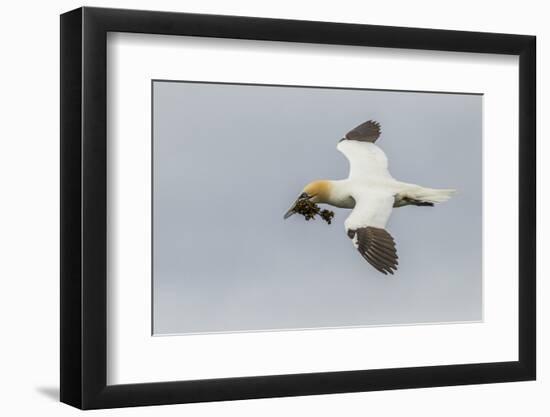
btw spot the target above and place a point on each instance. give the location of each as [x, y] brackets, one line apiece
[318, 191]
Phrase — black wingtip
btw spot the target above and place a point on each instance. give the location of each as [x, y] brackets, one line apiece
[366, 132]
[377, 247]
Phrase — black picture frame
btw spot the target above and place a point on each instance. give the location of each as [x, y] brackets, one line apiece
[84, 207]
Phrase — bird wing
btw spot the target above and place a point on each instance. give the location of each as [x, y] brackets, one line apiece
[366, 160]
[366, 227]
[365, 132]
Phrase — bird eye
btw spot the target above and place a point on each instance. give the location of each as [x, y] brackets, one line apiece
[303, 195]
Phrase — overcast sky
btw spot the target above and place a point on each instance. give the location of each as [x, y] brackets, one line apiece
[230, 159]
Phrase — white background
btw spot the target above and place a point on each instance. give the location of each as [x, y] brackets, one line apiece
[29, 230]
[134, 356]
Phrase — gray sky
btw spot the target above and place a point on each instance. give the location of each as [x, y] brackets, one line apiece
[230, 159]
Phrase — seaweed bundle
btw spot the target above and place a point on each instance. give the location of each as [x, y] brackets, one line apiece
[309, 210]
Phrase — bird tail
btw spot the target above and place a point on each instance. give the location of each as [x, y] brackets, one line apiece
[430, 195]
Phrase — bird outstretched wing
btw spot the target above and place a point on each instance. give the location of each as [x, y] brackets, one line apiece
[366, 160]
[366, 227]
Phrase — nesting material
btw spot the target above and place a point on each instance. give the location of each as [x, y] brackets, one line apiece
[309, 210]
[327, 215]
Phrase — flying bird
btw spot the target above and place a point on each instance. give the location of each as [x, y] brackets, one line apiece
[372, 193]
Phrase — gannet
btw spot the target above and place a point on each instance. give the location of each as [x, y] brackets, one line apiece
[372, 193]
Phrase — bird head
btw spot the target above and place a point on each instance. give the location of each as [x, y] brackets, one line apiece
[316, 192]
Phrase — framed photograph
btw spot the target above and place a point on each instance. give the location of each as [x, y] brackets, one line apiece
[259, 208]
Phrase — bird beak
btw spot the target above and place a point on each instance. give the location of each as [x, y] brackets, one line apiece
[291, 210]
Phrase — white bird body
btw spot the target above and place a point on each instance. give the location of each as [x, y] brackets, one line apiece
[372, 193]
[344, 193]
